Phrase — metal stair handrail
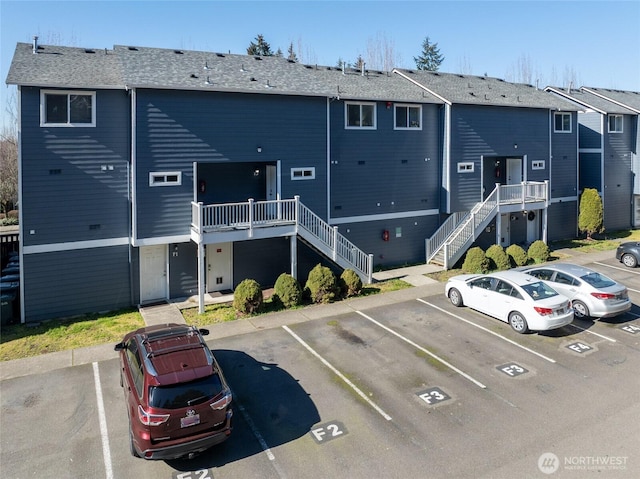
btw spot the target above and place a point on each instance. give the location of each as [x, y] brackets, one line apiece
[434, 244]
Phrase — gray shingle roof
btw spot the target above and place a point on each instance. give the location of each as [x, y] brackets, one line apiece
[480, 90]
[591, 101]
[65, 67]
[629, 99]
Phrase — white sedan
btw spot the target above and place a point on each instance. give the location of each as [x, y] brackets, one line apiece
[516, 298]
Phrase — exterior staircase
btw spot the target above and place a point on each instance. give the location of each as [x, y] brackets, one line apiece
[263, 219]
[456, 235]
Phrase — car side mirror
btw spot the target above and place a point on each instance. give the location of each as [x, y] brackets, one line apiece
[204, 332]
[119, 347]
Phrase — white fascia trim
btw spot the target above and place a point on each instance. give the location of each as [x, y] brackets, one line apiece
[604, 97]
[589, 150]
[161, 240]
[386, 216]
[568, 97]
[441, 98]
[75, 245]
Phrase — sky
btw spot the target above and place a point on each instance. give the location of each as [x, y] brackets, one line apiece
[593, 43]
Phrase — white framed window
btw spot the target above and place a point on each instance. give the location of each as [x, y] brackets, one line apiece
[165, 178]
[538, 165]
[562, 122]
[67, 108]
[407, 117]
[303, 174]
[615, 123]
[466, 167]
[360, 115]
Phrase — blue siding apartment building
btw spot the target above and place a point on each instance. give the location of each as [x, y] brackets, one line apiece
[154, 174]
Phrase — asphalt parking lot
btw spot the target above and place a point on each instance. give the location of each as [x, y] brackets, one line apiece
[407, 386]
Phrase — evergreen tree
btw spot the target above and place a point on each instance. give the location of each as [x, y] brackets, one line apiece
[430, 59]
[291, 54]
[591, 217]
[260, 47]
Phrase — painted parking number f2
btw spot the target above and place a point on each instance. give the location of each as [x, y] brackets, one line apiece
[326, 432]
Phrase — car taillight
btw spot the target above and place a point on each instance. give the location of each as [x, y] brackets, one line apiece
[221, 403]
[149, 419]
[543, 311]
[603, 295]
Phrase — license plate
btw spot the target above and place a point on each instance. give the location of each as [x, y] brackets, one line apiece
[190, 420]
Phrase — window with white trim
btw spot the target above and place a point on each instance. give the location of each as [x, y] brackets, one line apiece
[303, 174]
[466, 167]
[408, 117]
[67, 108]
[537, 165]
[615, 123]
[562, 122]
[360, 115]
[165, 178]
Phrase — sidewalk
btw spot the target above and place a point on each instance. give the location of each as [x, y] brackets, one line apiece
[163, 313]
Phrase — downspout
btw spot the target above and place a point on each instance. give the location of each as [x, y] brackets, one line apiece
[23, 315]
[446, 155]
[328, 160]
[603, 126]
[132, 192]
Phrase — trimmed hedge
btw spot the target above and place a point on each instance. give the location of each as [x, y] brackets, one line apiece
[247, 297]
[498, 258]
[517, 255]
[321, 285]
[475, 261]
[538, 252]
[287, 291]
[350, 283]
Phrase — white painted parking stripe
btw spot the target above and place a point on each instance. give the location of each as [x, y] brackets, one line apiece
[595, 334]
[255, 431]
[489, 331]
[426, 351]
[106, 452]
[626, 270]
[339, 374]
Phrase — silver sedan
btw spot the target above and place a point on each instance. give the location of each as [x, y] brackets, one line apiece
[592, 294]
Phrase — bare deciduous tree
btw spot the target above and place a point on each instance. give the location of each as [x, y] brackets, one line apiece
[9, 159]
[381, 53]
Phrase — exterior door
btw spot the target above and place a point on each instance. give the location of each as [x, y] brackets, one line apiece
[153, 273]
[272, 191]
[219, 267]
[505, 238]
[514, 171]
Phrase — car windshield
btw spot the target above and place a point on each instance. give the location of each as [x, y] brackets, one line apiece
[597, 280]
[183, 395]
[539, 290]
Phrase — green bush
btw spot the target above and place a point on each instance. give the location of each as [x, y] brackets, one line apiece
[350, 283]
[517, 255]
[247, 298]
[498, 259]
[287, 291]
[475, 261]
[321, 284]
[590, 218]
[538, 252]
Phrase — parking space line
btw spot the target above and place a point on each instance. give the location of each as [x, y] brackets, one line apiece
[338, 373]
[106, 452]
[626, 270]
[551, 360]
[595, 334]
[254, 429]
[426, 351]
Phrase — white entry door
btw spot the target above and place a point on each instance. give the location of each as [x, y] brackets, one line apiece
[219, 267]
[514, 171]
[153, 273]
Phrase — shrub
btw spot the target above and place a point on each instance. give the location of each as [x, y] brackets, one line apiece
[475, 261]
[590, 218]
[350, 283]
[247, 298]
[498, 259]
[538, 252]
[517, 255]
[287, 291]
[321, 284]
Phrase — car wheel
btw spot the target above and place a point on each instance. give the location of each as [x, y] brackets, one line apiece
[518, 323]
[580, 309]
[629, 260]
[455, 297]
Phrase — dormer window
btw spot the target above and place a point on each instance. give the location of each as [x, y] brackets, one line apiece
[562, 122]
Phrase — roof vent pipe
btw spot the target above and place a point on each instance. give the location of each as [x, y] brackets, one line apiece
[343, 64]
[362, 68]
[35, 44]
[570, 87]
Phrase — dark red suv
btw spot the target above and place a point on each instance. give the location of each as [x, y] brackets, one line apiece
[178, 401]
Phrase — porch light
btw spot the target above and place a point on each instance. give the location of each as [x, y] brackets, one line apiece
[259, 149]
